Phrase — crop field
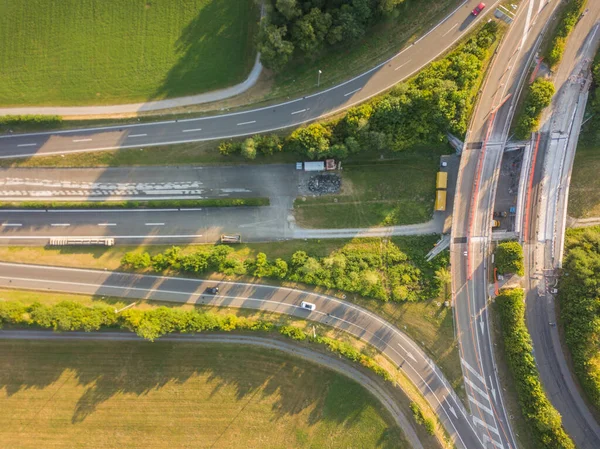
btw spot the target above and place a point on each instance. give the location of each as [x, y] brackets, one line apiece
[77, 52]
[155, 395]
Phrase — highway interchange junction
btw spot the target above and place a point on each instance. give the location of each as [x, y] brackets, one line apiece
[481, 183]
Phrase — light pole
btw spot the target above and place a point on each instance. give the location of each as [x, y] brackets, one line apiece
[319, 79]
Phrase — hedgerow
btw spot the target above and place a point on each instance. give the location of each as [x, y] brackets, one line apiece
[508, 258]
[152, 324]
[538, 97]
[386, 273]
[544, 421]
[567, 22]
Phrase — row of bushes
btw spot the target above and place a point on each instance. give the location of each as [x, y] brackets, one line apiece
[151, 204]
[151, 324]
[387, 274]
[508, 258]
[24, 122]
[422, 110]
[306, 27]
[580, 307]
[543, 419]
[537, 98]
[566, 22]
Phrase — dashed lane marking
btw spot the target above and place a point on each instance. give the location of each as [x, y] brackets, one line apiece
[107, 224]
[402, 65]
[299, 112]
[137, 135]
[353, 92]
[82, 140]
[191, 130]
[154, 224]
[246, 123]
[453, 26]
[61, 224]
[13, 225]
[27, 145]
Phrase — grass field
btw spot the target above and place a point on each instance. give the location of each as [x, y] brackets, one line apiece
[77, 52]
[378, 193]
[140, 395]
[584, 191]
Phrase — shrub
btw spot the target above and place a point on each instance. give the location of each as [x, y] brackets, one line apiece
[509, 258]
[543, 419]
[18, 122]
[136, 260]
[249, 148]
[292, 332]
[566, 22]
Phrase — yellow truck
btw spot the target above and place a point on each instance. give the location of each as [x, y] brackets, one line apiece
[441, 180]
[440, 200]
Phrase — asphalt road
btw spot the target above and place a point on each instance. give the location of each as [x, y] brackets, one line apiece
[473, 210]
[80, 184]
[397, 346]
[288, 114]
[381, 390]
[544, 238]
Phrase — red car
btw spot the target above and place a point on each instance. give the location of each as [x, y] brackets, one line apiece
[478, 9]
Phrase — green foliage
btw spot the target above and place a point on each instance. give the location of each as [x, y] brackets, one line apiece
[383, 272]
[308, 27]
[154, 323]
[422, 110]
[567, 21]
[579, 296]
[249, 149]
[420, 418]
[24, 122]
[544, 421]
[538, 97]
[268, 144]
[509, 258]
[313, 141]
[152, 204]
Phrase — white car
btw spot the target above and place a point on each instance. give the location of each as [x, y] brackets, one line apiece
[308, 306]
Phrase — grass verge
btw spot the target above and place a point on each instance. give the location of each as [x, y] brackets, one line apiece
[123, 394]
[78, 52]
[151, 204]
[429, 323]
[395, 191]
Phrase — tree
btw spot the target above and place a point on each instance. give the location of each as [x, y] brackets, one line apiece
[444, 278]
[261, 266]
[312, 141]
[249, 148]
[288, 9]
[310, 31]
[275, 50]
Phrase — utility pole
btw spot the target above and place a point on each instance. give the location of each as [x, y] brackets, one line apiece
[319, 79]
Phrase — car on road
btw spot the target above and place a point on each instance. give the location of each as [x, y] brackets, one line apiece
[308, 306]
[478, 9]
[212, 290]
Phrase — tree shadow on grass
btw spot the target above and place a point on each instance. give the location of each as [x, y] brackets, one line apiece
[205, 50]
[107, 369]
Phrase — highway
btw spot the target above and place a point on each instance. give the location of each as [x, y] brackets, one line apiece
[473, 209]
[291, 113]
[544, 235]
[397, 346]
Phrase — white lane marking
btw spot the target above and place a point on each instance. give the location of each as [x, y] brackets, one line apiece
[402, 65]
[491, 388]
[191, 130]
[485, 425]
[11, 224]
[107, 224]
[61, 224]
[27, 145]
[472, 370]
[527, 20]
[137, 135]
[82, 140]
[485, 408]
[353, 92]
[246, 123]
[154, 224]
[494, 442]
[477, 389]
[298, 112]
[409, 354]
[136, 237]
[453, 26]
